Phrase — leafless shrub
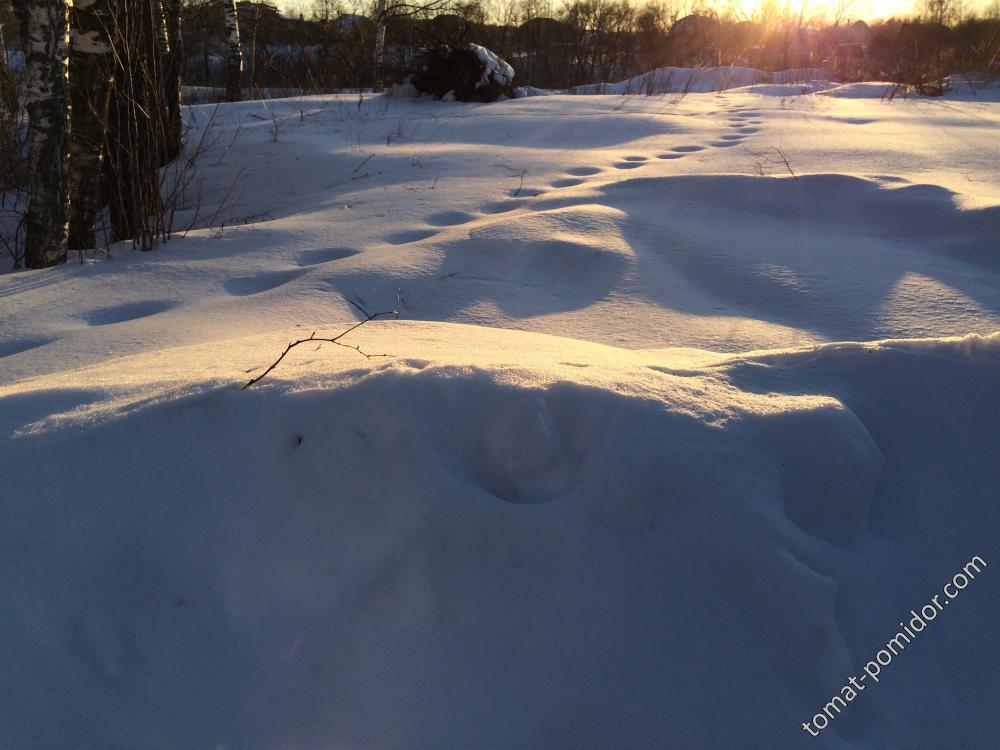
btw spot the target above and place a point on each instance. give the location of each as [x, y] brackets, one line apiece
[773, 155]
[13, 166]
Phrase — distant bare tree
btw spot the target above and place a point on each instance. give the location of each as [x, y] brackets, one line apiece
[380, 22]
[43, 34]
[234, 58]
[943, 12]
[383, 12]
[840, 11]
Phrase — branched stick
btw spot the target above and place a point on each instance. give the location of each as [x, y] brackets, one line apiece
[333, 340]
[521, 186]
[363, 163]
[763, 157]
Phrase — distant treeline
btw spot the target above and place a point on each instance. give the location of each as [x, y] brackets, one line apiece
[584, 41]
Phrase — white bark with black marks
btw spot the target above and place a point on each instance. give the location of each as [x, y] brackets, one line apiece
[90, 88]
[44, 36]
[3, 49]
[173, 11]
[380, 18]
[234, 67]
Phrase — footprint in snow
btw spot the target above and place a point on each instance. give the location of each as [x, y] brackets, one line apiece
[635, 158]
[16, 346]
[412, 235]
[129, 311]
[670, 156]
[687, 149]
[244, 286]
[583, 171]
[449, 219]
[565, 183]
[723, 144]
[522, 452]
[324, 255]
[502, 207]
[628, 165]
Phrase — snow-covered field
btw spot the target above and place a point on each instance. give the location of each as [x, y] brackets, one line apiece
[689, 402]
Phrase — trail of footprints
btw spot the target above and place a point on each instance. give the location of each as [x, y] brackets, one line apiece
[741, 122]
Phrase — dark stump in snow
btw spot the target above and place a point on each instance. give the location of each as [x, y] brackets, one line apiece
[468, 75]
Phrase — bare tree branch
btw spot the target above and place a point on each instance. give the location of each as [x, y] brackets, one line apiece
[369, 316]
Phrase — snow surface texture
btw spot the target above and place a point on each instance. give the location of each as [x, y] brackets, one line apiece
[621, 481]
[783, 83]
[673, 80]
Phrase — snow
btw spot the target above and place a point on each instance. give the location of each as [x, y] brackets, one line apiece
[867, 90]
[495, 69]
[673, 80]
[665, 442]
[785, 89]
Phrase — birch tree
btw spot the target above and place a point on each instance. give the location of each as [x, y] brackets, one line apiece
[173, 15]
[43, 33]
[383, 12]
[90, 89]
[380, 20]
[234, 60]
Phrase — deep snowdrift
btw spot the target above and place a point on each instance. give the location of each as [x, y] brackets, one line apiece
[576, 547]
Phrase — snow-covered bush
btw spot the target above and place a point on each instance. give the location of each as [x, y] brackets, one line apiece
[469, 74]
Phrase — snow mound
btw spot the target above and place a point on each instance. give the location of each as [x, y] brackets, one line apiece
[865, 90]
[522, 92]
[972, 87]
[673, 80]
[801, 75]
[405, 90]
[785, 89]
[969, 87]
[388, 555]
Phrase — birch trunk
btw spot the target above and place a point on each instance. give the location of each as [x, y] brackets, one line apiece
[377, 83]
[173, 12]
[43, 34]
[155, 59]
[234, 67]
[90, 90]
